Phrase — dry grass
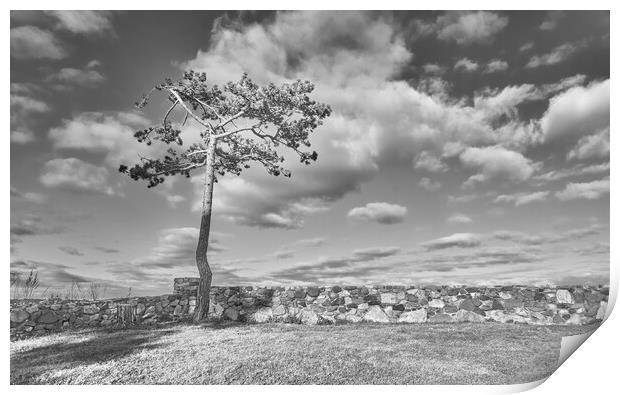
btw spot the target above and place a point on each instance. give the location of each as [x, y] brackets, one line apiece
[293, 354]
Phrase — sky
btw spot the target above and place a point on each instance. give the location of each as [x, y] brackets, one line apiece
[463, 148]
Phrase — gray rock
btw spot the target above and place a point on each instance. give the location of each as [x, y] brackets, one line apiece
[468, 316]
[411, 317]
[19, 316]
[90, 309]
[231, 313]
[48, 317]
[353, 318]
[563, 296]
[436, 303]
[309, 317]
[264, 314]
[279, 310]
[376, 314]
[388, 298]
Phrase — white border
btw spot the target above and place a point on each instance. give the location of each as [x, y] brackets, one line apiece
[590, 370]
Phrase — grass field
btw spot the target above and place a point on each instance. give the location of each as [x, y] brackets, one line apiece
[293, 354]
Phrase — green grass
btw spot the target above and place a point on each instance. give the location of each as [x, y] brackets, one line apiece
[293, 354]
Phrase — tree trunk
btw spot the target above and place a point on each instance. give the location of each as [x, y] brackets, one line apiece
[202, 297]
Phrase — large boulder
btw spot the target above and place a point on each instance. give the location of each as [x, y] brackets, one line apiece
[264, 314]
[388, 298]
[564, 296]
[413, 317]
[436, 303]
[19, 316]
[232, 314]
[376, 314]
[48, 317]
[468, 316]
[308, 317]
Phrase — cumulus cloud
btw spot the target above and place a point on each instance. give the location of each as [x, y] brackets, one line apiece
[459, 218]
[520, 199]
[461, 240]
[466, 64]
[467, 28]
[591, 147]
[84, 22]
[108, 134]
[68, 77]
[526, 47]
[25, 109]
[496, 65]
[428, 184]
[551, 20]
[496, 163]
[429, 162]
[579, 111]
[557, 55]
[380, 212]
[584, 190]
[352, 58]
[30, 42]
[76, 175]
[432, 68]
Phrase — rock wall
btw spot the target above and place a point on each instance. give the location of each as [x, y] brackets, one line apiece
[322, 305]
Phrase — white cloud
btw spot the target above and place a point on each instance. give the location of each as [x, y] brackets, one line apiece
[461, 240]
[577, 171]
[591, 147]
[557, 55]
[466, 64]
[496, 65]
[30, 42]
[24, 111]
[469, 27]
[429, 162]
[520, 199]
[526, 47]
[84, 22]
[429, 184]
[496, 163]
[68, 76]
[109, 134]
[432, 68]
[576, 112]
[584, 190]
[380, 212]
[75, 174]
[552, 20]
[459, 218]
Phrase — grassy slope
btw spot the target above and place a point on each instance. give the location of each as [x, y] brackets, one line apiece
[293, 354]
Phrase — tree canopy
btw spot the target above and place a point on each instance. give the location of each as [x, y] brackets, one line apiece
[248, 121]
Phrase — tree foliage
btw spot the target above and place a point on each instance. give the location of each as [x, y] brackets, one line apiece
[248, 122]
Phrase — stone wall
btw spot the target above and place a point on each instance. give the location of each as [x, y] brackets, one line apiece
[322, 305]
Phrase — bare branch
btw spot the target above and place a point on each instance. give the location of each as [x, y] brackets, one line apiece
[196, 117]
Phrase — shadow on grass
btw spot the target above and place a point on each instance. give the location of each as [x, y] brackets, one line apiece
[81, 348]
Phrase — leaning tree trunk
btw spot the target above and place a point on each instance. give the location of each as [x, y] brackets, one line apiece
[202, 297]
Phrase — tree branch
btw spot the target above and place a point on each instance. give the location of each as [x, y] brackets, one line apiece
[196, 117]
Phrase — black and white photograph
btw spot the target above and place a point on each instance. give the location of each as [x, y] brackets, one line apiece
[306, 197]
